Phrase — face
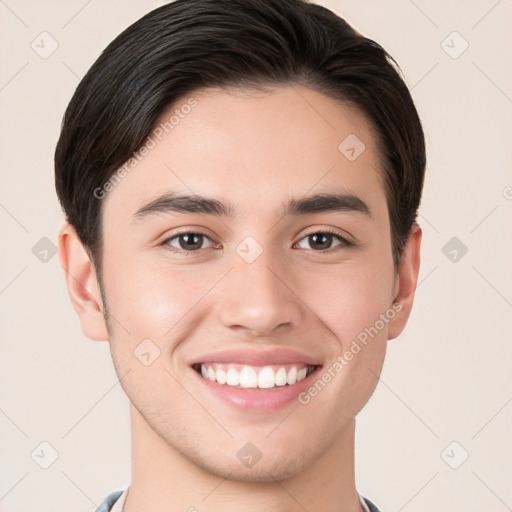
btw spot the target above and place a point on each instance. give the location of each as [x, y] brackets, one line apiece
[273, 281]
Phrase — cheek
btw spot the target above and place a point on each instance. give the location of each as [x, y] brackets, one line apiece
[350, 299]
[150, 298]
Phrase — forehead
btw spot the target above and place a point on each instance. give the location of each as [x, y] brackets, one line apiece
[253, 147]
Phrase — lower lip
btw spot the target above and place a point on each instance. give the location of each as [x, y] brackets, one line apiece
[255, 399]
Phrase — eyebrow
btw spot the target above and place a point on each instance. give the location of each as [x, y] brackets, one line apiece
[317, 203]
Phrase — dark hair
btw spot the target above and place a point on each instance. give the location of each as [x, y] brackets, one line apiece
[188, 45]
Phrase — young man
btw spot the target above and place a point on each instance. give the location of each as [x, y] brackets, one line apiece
[240, 180]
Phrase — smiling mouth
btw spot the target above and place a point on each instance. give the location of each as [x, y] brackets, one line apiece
[243, 376]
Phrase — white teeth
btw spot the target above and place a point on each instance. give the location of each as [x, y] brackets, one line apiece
[281, 377]
[220, 376]
[233, 377]
[266, 378]
[249, 377]
[292, 376]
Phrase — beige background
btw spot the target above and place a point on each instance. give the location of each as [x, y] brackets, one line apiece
[447, 378]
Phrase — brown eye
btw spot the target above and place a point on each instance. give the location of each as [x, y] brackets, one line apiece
[323, 240]
[190, 241]
[187, 242]
[320, 240]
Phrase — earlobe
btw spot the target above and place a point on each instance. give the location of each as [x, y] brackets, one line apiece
[82, 284]
[406, 281]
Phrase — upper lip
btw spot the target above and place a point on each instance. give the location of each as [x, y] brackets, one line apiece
[257, 357]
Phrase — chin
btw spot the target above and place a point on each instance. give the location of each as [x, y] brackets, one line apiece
[273, 465]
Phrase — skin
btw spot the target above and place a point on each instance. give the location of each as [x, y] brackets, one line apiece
[255, 150]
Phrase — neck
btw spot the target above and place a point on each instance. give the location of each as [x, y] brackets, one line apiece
[162, 478]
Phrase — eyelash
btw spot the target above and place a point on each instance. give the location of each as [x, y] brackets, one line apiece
[344, 243]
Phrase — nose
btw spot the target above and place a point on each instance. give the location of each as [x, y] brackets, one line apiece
[259, 299]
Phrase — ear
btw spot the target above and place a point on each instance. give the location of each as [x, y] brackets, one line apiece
[406, 282]
[82, 285]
